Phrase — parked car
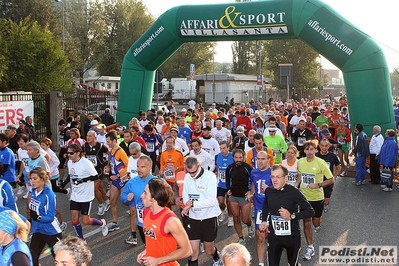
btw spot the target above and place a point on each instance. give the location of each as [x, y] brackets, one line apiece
[99, 108]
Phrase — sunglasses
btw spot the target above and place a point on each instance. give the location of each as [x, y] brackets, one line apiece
[134, 154]
[193, 172]
[71, 153]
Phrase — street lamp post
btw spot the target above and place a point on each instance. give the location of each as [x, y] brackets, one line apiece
[63, 25]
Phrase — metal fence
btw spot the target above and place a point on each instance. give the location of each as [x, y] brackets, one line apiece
[95, 102]
[41, 119]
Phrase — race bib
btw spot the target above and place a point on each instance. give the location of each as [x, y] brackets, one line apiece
[168, 173]
[34, 205]
[92, 159]
[341, 140]
[222, 176]
[281, 226]
[258, 217]
[301, 140]
[25, 162]
[62, 143]
[292, 177]
[308, 179]
[150, 146]
[140, 211]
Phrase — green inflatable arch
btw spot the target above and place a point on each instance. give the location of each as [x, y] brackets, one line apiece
[361, 60]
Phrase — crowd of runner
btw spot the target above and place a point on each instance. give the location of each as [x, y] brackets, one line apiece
[279, 159]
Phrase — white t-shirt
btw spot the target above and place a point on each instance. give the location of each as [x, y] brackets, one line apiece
[220, 135]
[54, 162]
[180, 145]
[211, 146]
[132, 167]
[83, 168]
[205, 160]
[191, 104]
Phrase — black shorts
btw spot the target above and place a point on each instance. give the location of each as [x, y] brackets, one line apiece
[275, 248]
[318, 207]
[328, 191]
[221, 192]
[204, 230]
[83, 207]
[62, 158]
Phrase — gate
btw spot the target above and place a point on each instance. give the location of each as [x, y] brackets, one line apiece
[41, 103]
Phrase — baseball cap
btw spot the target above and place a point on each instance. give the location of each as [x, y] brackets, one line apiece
[60, 123]
[94, 123]
[272, 128]
[174, 129]
[240, 129]
[183, 110]
[325, 132]
[22, 121]
[101, 126]
[207, 128]
[270, 113]
[11, 126]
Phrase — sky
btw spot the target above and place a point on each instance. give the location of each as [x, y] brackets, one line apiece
[378, 19]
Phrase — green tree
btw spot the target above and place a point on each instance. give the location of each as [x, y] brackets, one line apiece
[44, 12]
[303, 58]
[36, 62]
[198, 53]
[3, 53]
[125, 21]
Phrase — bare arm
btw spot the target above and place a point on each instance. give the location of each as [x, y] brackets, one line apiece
[174, 227]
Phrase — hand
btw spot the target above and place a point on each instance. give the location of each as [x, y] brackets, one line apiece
[229, 192]
[130, 196]
[313, 186]
[179, 201]
[263, 226]
[150, 261]
[141, 256]
[284, 213]
[33, 215]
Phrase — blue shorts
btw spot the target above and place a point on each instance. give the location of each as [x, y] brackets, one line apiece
[118, 183]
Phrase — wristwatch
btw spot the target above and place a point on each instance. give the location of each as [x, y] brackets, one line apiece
[293, 216]
[39, 218]
[320, 185]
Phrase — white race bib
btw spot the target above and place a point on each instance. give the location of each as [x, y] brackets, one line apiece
[168, 173]
[150, 147]
[92, 159]
[140, 211]
[292, 177]
[308, 179]
[301, 140]
[281, 226]
[258, 217]
[222, 176]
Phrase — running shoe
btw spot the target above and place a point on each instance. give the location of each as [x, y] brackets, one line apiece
[104, 228]
[325, 209]
[26, 195]
[230, 222]
[343, 173]
[241, 241]
[363, 182]
[317, 229]
[69, 191]
[218, 262]
[368, 170]
[21, 190]
[106, 205]
[131, 240]
[108, 193]
[202, 249]
[251, 230]
[309, 253]
[384, 186]
[222, 216]
[356, 183]
[348, 165]
[113, 227]
[100, 210]
[63, 227]
[387, 189]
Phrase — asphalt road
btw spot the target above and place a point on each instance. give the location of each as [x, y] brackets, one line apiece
[358, 215]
